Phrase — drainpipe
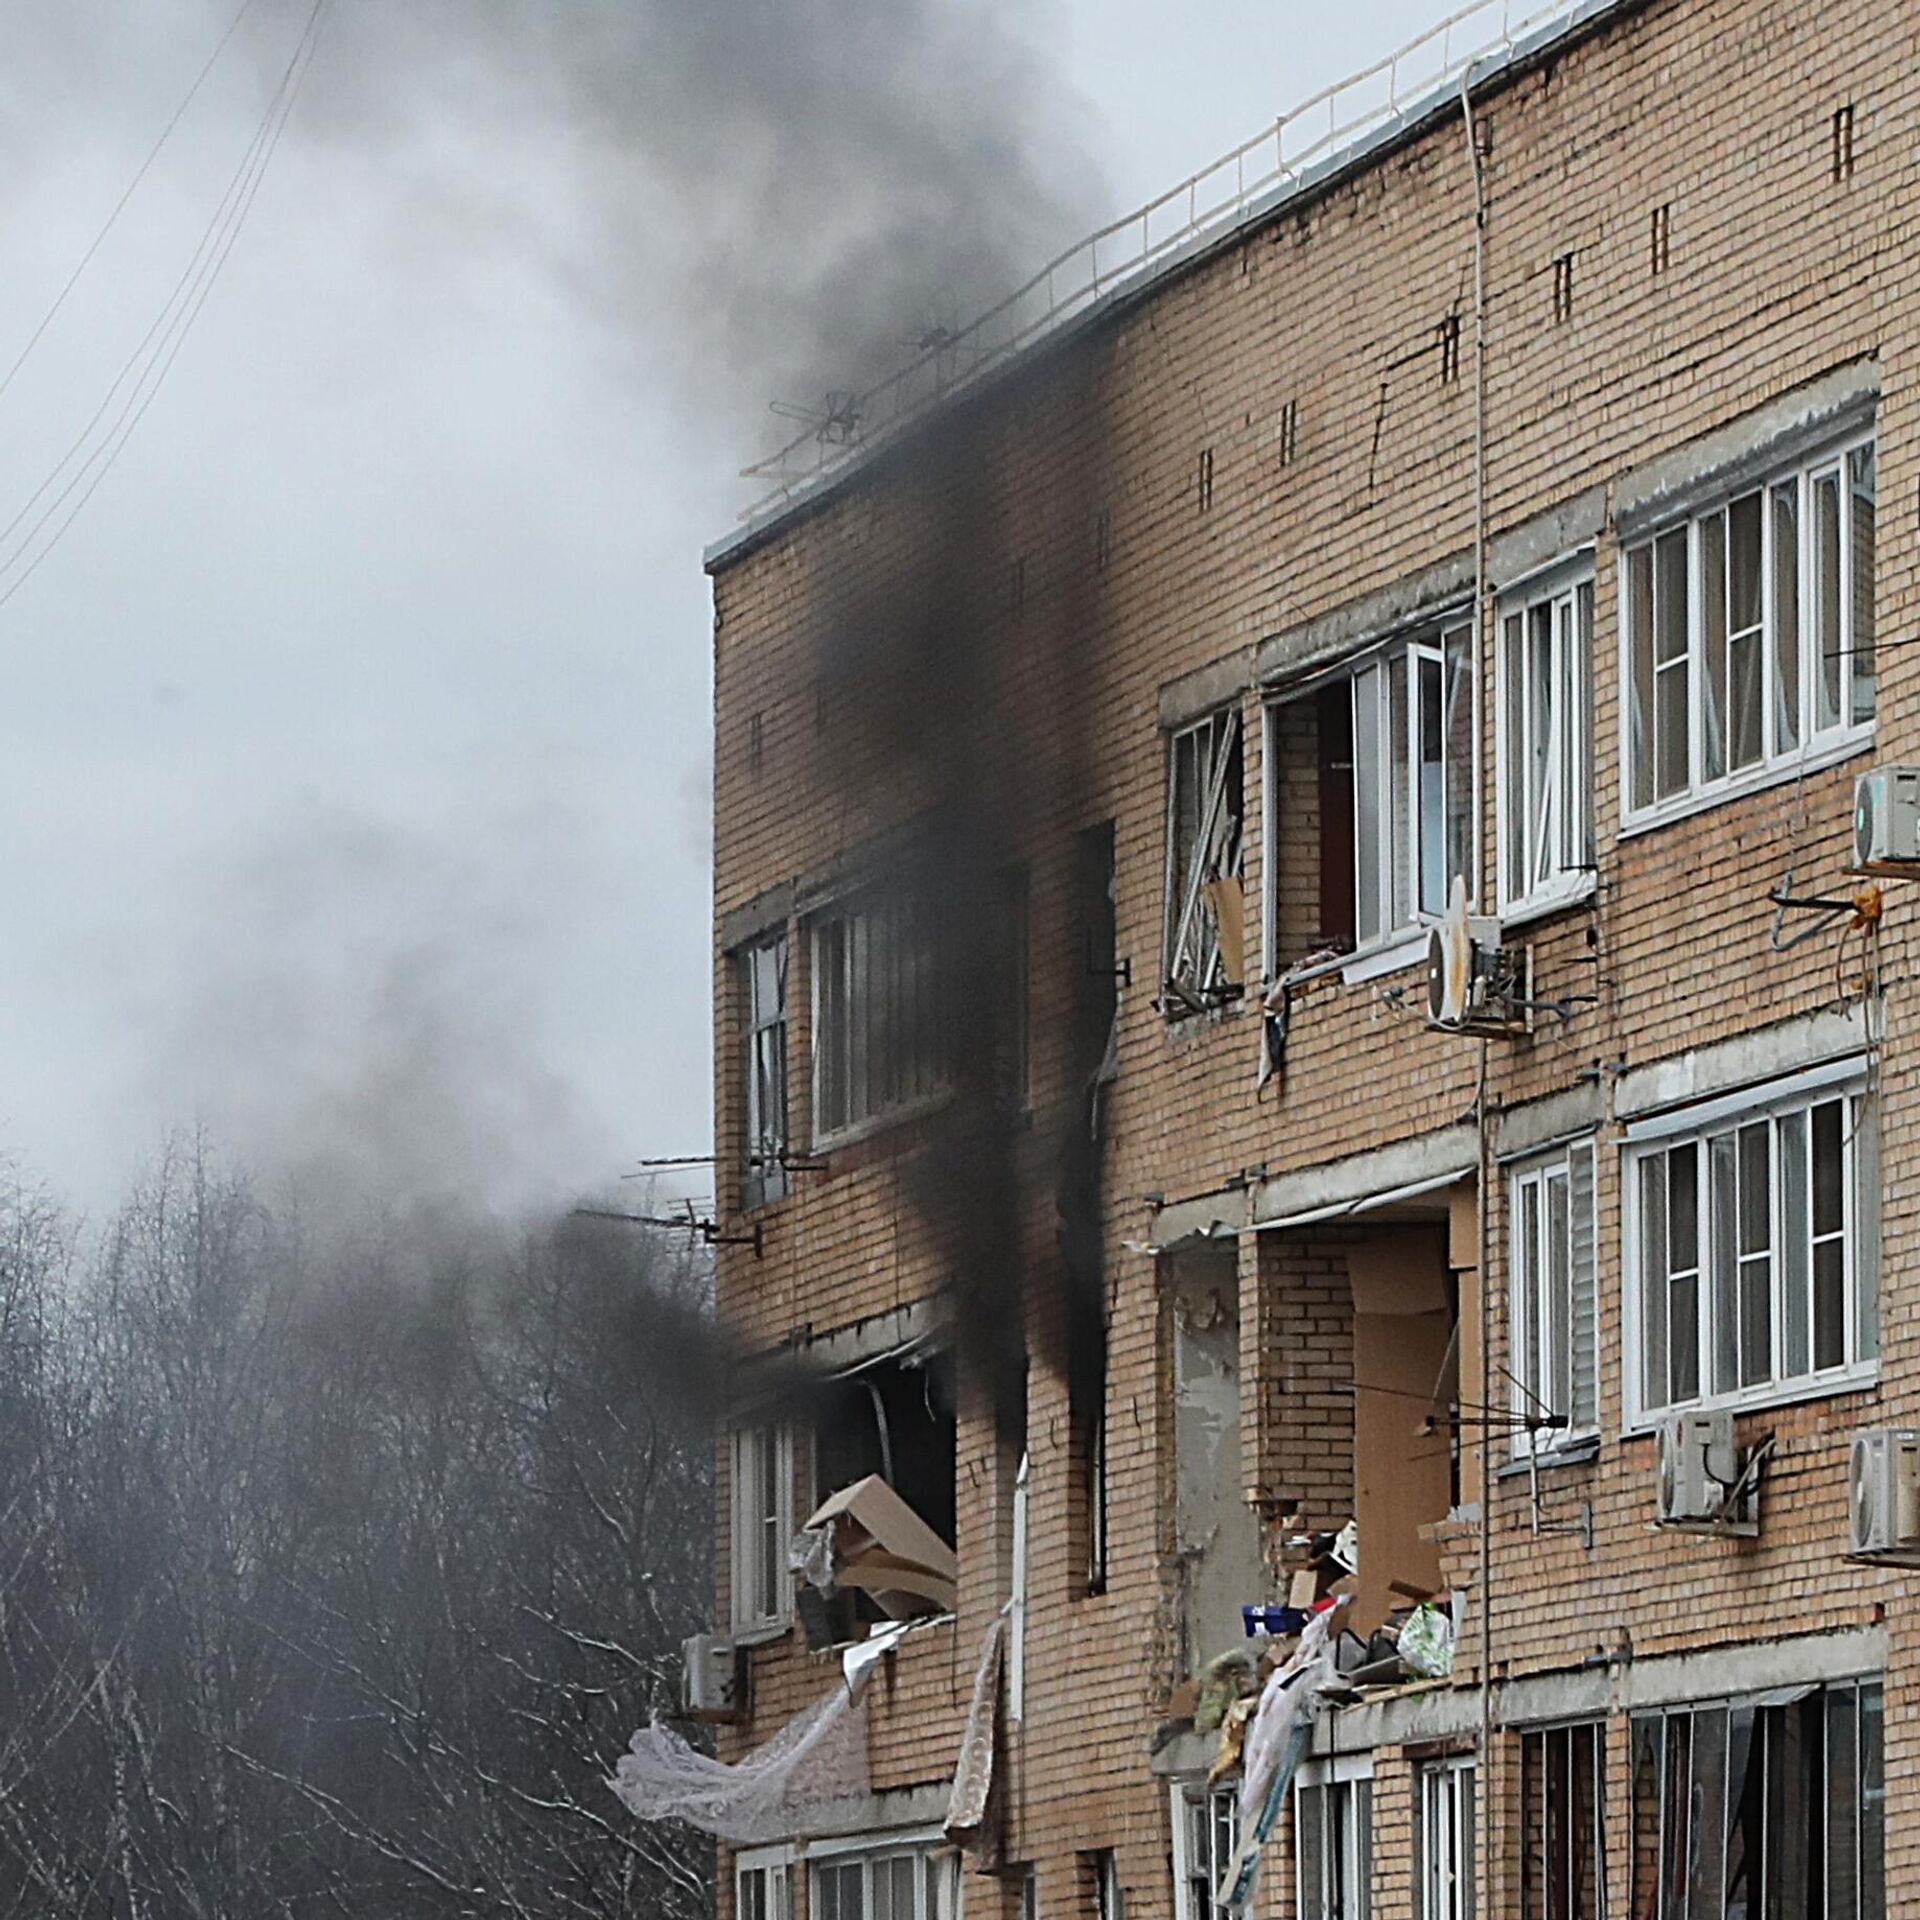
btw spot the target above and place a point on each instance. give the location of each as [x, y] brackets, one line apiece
[1483, 1809]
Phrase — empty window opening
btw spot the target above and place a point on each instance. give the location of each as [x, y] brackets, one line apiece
[1843, 142]
[1103, 539]
[1563, 1824]
[1087, 1440]
[1450, 348]
[1206, 478]
[1289, 434]
[756, 743]
[1763, 1806]
[763, 979]
[883, 1478]
[1563, 289]
[1205, 920]
[881, 1041]
[1661, 246]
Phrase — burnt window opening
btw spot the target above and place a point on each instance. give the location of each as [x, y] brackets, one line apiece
[893, 1420]
[1087, 1443]
[1449, 334]
[1204, 955]
[1662, 239]
[1843, 142]
[763, 986]
[1289, 433]
[1563, 289]
[1206, 479]
[1012, 1084]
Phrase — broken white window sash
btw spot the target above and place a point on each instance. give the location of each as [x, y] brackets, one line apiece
[1214, 854]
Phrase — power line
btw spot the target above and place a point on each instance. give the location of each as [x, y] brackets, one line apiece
[120, 205]
[166, 336]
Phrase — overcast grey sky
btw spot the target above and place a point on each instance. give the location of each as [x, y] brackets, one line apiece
[354, 740]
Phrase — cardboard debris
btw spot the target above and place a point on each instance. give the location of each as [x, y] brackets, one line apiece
[885, 1549]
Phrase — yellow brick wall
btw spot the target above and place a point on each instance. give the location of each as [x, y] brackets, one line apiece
[1720, 110]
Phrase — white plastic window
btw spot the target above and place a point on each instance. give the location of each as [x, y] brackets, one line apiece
[1445, 1790]
[764, 980]
[1749, 633]
[1333, 1844]
[1413, 781]
[1545, 745]
[762, 1526]
[1206, 1830]
[1750, 1246]
[1553, 1361]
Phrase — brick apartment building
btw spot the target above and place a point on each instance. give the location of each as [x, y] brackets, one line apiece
[1491, 508]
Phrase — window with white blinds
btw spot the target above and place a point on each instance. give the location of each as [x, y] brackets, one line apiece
[1554, 1362]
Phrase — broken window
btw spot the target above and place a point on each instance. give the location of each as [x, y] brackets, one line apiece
[1333, 1841]
[1563, 1853]
[1412, 783]
[1443, 1792]
[1750, 631]
[762, 1525]
[1751, 1248]
[880, 1041]
[1554, 1337]
[883, 1476]
[1205, 959]
[763, 974]
[1773, 1806]
[1101, 1870]
[1206, 1831]
[1546, 777]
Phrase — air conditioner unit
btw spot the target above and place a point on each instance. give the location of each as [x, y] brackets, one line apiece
[1883, 1494]
[1886, 819]
[712, 1678]
[1703, 1483]
[1470, 981]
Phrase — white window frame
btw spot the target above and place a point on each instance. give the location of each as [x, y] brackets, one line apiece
[924, 1080]
[1817, 744]
[1446, 1797]
[759, 1524]
[767, 1034]
[1548, 1298]
[1723, 1120]
[1347, 1878]
[1546, 848]
[773, 1867]
[1383, 914]
[1222, 1815]
[936, 1878]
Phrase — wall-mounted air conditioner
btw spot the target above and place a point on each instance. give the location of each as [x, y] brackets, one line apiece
[1886, 820]
[712, 1678]
[1883, 1494]
[1472, 984]
[1703, 1483]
